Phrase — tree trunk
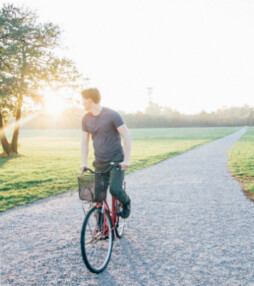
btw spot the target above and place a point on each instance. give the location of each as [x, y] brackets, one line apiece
[15, 137]
[14, 142]
[5, 144]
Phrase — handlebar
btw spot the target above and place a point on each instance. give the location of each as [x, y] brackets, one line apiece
[112, 165]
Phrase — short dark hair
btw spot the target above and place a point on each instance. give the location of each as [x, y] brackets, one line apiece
[92, 93]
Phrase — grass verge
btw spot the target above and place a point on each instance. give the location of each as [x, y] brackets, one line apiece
[50, 159]
[241, 162]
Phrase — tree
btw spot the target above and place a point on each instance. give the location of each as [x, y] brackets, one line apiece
[27, 64]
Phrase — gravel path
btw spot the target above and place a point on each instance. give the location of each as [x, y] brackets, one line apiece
[191, 224]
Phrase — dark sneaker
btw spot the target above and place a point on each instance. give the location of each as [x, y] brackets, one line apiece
[126, 210]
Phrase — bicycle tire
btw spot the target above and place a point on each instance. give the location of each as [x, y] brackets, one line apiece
[96, 238]
[120, 223]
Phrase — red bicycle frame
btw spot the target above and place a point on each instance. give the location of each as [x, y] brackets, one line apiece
[112, 213]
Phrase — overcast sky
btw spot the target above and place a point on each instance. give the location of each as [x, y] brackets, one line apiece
[197, 55]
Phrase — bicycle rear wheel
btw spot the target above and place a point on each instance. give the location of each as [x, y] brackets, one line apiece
[96, 240]
[120, 222]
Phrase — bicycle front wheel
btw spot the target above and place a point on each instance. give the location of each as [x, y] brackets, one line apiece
[96, 240]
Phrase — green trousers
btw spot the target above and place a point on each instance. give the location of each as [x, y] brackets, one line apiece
[113, 178]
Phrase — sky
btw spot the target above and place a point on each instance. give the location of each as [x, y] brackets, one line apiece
[195, 55]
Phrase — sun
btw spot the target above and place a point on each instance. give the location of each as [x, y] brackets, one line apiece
[54, 104]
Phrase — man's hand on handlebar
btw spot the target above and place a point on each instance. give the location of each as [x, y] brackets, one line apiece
[83, 167]
[125, 165]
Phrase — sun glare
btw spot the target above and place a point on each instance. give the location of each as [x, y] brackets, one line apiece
[54, 104]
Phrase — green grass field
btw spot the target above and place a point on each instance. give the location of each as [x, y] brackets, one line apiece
[50, 159]
[241, 161]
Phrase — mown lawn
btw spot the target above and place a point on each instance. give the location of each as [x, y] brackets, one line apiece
[50, 159]
[241, 161]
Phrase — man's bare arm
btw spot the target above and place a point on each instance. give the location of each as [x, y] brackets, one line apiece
[84, 148]
[124, 132]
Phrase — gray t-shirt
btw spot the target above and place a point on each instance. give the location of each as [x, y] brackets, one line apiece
[106, 139]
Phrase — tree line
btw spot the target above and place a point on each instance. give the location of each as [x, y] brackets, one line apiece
[156, 117]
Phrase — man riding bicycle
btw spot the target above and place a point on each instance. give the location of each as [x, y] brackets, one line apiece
[106, 127]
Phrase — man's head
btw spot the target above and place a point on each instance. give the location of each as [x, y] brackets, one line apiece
[90, 97]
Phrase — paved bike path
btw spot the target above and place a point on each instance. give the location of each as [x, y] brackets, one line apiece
[191, 224]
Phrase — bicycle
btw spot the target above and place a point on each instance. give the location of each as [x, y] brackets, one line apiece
[100, 225]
